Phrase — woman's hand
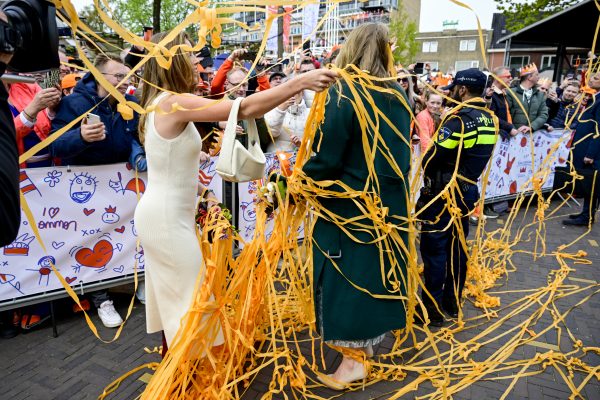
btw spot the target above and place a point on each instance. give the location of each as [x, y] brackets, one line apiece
[287, 104]
[204, 157]
[44, 98]
[296, 140]
[318, 79]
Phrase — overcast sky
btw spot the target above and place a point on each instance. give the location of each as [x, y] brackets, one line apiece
[433, 13]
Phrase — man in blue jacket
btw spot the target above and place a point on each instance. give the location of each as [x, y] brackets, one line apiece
[585, 156]
[106, 142]
[96, 142]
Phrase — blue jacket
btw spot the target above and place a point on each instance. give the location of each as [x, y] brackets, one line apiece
[72, 149]
[584, 143]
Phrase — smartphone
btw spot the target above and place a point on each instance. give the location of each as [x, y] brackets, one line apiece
[50, 79]
[249, 55]
[93, 119]
[148, 30]
[419, 67]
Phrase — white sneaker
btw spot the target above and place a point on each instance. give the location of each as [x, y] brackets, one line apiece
[140, 293]
[109, 316]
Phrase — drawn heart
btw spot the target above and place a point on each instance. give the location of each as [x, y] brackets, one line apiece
[128, 166]
[121, 229]
[52, 211]
[119, 269]
[57, 245]
[88, 212]
[96, 258]
[70, 280]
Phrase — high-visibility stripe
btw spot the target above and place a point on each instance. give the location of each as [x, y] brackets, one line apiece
[487, 128]
[449, 144]
[470, 143]
[487, 139]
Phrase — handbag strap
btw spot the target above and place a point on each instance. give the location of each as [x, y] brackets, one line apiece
[229, 135]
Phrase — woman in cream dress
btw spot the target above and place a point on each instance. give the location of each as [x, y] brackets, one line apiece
[164, 217]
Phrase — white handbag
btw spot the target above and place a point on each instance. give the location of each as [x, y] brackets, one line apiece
[236, 163]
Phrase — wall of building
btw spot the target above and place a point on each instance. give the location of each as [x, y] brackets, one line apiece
[451, 50]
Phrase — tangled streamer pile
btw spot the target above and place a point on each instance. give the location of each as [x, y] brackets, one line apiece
[263, 297]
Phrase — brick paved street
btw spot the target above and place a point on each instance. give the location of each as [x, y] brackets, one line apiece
[78, 366]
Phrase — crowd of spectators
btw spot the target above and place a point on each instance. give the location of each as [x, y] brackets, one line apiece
[522, 103]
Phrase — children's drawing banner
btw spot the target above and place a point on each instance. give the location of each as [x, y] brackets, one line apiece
[85, 214]
[85, 218]
[247, 197]
[512, 165]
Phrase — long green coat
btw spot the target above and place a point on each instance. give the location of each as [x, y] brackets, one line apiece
[348, 313]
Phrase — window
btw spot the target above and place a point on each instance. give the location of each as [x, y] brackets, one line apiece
[468, 45]
[296, 30]
[548, 61]
[460, 65]
[518, 62]
[430, 47]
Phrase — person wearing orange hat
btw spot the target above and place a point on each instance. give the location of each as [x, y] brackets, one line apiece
[68, 83]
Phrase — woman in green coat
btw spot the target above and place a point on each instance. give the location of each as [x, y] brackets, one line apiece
[359, 266]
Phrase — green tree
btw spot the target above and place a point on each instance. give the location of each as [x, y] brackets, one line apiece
[90, 16]
[521, 14]
[135, 14]
[404, 31]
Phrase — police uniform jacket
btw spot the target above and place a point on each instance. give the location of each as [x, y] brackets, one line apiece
[473, 132]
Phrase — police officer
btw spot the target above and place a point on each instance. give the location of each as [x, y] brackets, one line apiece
[462, 148]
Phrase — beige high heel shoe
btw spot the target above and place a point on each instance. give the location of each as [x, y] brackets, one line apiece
[350, 381]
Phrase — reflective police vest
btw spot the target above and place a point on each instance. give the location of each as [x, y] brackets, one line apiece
[471, 134]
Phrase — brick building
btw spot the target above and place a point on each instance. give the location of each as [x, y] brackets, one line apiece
[452, 50]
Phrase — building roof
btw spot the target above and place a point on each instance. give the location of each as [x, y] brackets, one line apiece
[574, 26]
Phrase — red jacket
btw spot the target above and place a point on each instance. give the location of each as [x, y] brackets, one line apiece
[217, 87]
[20, 95]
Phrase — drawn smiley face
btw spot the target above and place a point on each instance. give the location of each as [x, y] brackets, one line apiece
[83, 187]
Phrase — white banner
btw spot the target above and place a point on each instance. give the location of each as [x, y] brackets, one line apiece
[247, 208]
[272, 34]
[512, 163]
[85, 214]
[310, 18]
[85, 218]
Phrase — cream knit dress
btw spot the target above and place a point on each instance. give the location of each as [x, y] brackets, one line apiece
[164, 220]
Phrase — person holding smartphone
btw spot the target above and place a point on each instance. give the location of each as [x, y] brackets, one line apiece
[33, 108]
[220, 82]
[104, 137]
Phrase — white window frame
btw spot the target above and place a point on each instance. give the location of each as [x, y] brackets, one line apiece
[551, 57]
[467, 45]
[524, 57]
[473, 64]
[430, 46]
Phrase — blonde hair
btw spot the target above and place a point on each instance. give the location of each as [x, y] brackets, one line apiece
[368, 48]
[102, 59]
[179, 78]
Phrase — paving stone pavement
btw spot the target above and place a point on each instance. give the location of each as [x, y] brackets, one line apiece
[76, 365]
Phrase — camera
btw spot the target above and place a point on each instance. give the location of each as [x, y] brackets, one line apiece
[30, 35]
